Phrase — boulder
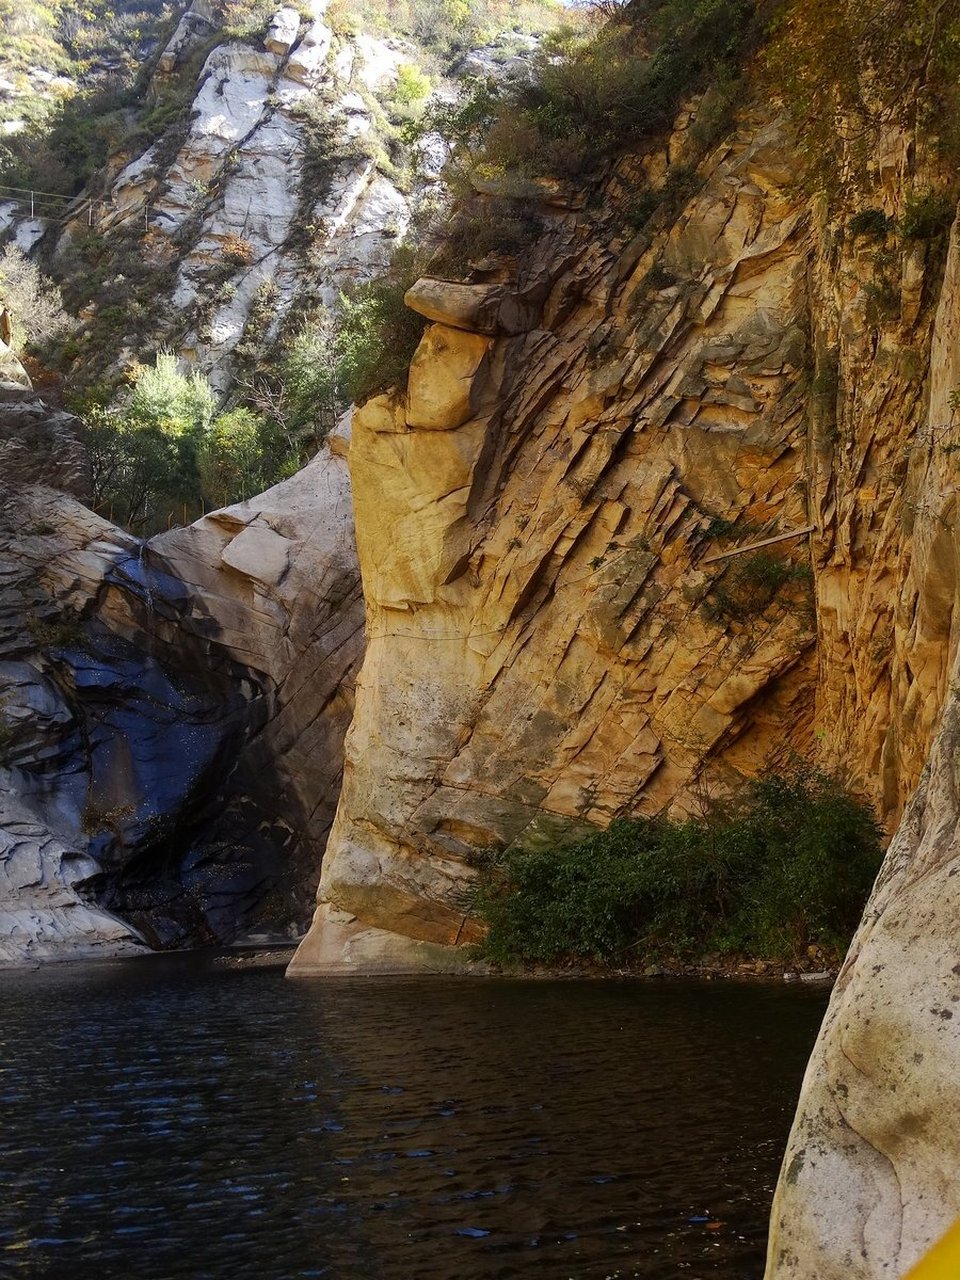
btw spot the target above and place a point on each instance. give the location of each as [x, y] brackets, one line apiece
[282, 32]
[443, 381]
[460, 306]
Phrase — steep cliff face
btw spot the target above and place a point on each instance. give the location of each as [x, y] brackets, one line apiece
[278, 177]
[869, 1178]
[172, 714]
[540, 518]
[551, 632]
[533, 517]
[276, 190]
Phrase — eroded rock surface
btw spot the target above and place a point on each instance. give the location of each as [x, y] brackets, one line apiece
[172, 717]
[869, 1180]
[248, 211]
[534, 516]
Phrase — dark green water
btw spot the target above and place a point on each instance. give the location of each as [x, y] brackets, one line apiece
[163, 1119]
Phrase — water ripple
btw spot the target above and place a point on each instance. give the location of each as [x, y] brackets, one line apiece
[171, 1121]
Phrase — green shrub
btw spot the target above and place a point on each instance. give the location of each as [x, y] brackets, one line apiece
[872, 224]
[413, 85]
[786, 864]
[598, 95]
[230, 456]
[158, 447]
[480, 226]
[34, 301]
[926, 215]
[377, 333]
[750, 586]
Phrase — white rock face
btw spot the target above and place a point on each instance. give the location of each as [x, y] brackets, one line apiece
[376, 62]
[197, 18]
[308, 61]
[239, 178]
[18, 227]
[42, 915]
[282, 31]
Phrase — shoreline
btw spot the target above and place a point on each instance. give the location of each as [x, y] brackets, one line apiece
[274, 954]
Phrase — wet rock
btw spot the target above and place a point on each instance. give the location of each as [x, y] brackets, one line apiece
[170, 727]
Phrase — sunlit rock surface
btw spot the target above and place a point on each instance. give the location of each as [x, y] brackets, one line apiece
[245, 212]
[533, 516]
[870, 1176]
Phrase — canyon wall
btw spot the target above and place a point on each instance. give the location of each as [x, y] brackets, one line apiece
[545, 515]
[173, 713]
[553, 636]
[869, 1179]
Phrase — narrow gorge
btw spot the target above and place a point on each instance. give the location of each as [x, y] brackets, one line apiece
[663, 502]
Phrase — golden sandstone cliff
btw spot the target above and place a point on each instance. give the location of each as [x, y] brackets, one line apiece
[552, 638]
[544, 516]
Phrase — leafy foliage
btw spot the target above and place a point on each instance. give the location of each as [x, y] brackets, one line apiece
[596, 94]
[843, 66]
[751, 585]
[447, 29]
[926, 215]
[159, 447]
[378, 336]
[98, 50]
[34, 301]
[872, 224]
[787, 863]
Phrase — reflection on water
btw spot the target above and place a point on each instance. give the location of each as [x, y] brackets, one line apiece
[165, 1120]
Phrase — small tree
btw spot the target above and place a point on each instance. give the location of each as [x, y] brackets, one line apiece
[178, 404]
[33, 300]
[230, 458]
[143, 445]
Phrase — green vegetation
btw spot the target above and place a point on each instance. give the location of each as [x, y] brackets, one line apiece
[593, 95]
[445, 30]
[786, 864]
[871, 224]
[378, 335]
[33, 300]
[926, 215]
[330, 362]
[98, 49]
[750, 586]
[161, 452]
[159, 449]
[847, 67]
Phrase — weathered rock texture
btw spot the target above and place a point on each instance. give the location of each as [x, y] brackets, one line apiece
[172, 715]
[539, 516]
[275, 582]
[275, 195]
[43, 913]
[869, 1179]
[533, 519]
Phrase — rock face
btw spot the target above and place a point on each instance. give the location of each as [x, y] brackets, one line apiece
[275, 582]
[172, 715]
[43, 912]
[275, 192]
[869, 1181]
[533, 519]
[555, 625]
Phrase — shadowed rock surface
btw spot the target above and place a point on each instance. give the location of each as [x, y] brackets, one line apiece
[150, 752]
